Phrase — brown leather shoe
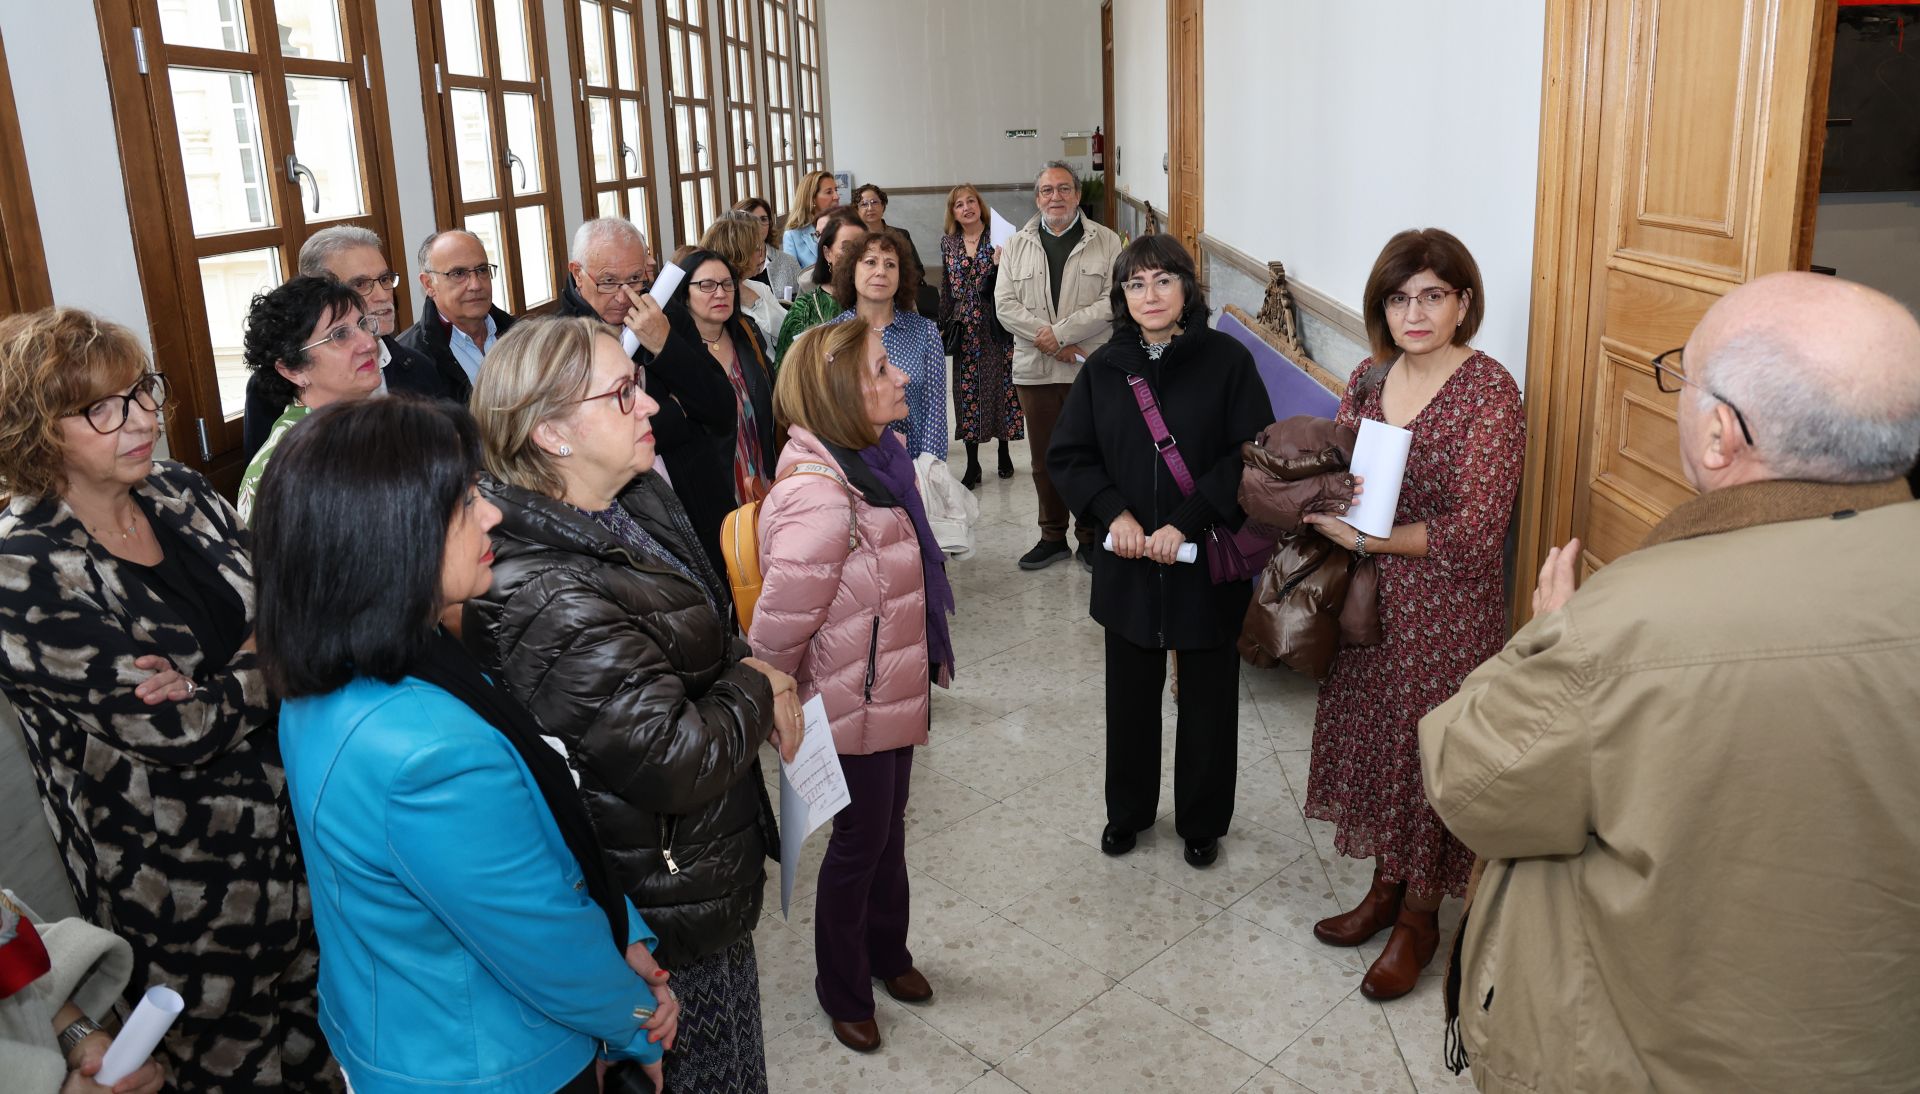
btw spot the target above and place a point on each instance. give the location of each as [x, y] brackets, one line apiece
[909, 987]
[1415, 937]
[863, 1036]
[1376, 913]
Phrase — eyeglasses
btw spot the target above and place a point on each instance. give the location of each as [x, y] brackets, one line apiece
[1429, 299]
[1671, 368]
[710, 287]
[365, 285]
[872, 203]
[1138, 287]
[607, 286]
[108, 414]
[1065, 189]
[460, 275]
[343, 334]
[624, 395]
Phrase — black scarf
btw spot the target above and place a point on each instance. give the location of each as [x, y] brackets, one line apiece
[445, 663]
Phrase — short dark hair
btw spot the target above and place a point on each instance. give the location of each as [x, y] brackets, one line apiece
[349, 531]
[905, 297]
[839, 219]
[281, 320]
[1159, 251]
[1406, 254]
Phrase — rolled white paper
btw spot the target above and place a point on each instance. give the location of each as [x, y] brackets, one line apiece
[1379, 457]
[663, 285]
[999, 229]
[1188, 552]
[141, 1035]
[629, 341]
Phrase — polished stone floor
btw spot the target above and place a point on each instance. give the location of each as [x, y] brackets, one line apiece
[1058, 970]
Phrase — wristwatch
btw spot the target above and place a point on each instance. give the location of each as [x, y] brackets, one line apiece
[81, 1029]
[1360, 544]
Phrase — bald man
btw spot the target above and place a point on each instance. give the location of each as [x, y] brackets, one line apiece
[458, 322]
[1696, 781]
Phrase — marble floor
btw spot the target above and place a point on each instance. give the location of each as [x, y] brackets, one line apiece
[1058, 970]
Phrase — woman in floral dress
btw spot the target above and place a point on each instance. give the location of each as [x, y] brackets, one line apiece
[983, 401]
[1442, 594]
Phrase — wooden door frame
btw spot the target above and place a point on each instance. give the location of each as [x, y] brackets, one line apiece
[1175, 104]
[1106, 112]
[28, 288]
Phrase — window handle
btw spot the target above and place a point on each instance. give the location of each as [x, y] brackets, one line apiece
[514, 162]
[627, 156]
[296, 171]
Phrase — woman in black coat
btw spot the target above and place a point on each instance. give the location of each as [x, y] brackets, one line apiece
[607, 622]
[1108, 468]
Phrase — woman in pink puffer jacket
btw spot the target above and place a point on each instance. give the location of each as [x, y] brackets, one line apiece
[854, 603]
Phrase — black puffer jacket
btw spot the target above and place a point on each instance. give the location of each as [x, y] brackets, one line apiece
[626, 662]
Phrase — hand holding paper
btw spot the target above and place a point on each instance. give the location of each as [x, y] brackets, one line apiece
[145, 1027]
[1189, 551]
[812, 790]
[1380, 457]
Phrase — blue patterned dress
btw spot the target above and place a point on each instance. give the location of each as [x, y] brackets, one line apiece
[913, 345]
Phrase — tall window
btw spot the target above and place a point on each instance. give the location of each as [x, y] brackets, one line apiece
[686, 63]
[743, 126]
[610, 102]
[782, 155]
[485, 64]
[813, 125]
[244, 128]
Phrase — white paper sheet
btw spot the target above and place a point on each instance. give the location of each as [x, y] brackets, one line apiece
[1188, 552]
[665, 282]
[141, 1035]
[629, 341]
[999, 228]
[1379, 457]
[812, 790]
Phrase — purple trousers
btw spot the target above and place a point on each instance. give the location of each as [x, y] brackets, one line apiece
[860, 918]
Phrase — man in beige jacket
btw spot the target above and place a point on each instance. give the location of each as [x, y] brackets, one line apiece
[1696, 781]
[1054, 295]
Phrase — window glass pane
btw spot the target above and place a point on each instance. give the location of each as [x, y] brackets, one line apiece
[675, 10]
[632, 136]
[593, 37]
[463, 37]
[218, 121]
[536, 255]
[523, 144]
[600, 133]
[642, 217]
[324, 143]
[228, 282]
[697, 61]
[486, 226]
[510, 18]
[683, 137]
[310, 28]
[676, 73]
[210, 24]
[702, 139]
[609, 203]
[473, 143]
[623, 64]
[690, 210]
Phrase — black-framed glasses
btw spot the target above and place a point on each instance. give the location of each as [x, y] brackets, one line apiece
[109, 413]
[343, 334]
[1670, 374]
[365, 285]
[710, 287]
[1429, 299]
[607, 286]
[460, 275]
[625, 395]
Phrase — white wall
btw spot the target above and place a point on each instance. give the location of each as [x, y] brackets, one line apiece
[1331, 126]
[1873, 239]
[1140, 99]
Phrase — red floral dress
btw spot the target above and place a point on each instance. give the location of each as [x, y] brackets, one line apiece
[984, 405]
[1441, 616]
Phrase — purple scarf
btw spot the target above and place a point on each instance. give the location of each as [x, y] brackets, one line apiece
[887, 458]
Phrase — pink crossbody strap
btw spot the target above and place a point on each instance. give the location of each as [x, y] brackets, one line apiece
[1163, 440]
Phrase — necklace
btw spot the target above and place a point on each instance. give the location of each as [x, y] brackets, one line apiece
[715, 340]
[128, 534]
[1154, 349]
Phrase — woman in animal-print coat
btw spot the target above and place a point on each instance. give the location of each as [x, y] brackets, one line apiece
[126, 605]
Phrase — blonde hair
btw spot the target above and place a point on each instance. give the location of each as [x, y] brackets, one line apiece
[537, 372]
[55, 362]
[953, 195]
[737, 238]
[802, 213]
[822, 385]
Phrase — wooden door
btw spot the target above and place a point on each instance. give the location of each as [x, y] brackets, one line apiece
[1112, 150]
[1673, 167]
[1186, 120]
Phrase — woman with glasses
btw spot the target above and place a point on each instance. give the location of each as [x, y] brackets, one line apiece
[871, 203]
[878, 285]
[606, 619]
[736, 238]
[128, 606]
[817, 193]
[839, 230]
[1442, 594]
[782, 271]
[310, 344]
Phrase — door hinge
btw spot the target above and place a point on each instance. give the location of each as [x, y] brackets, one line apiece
[583, 89]
[140, 51]
[206, 451]
[543, 89]
[366, 70]
[437, 88]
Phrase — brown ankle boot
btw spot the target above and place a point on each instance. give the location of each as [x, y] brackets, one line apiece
[1415, 937]
[1375, 914]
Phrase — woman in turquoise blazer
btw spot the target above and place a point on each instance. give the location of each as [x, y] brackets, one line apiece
[471, 937]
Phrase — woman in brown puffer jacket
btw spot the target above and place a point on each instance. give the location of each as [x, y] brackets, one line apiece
[607, 621]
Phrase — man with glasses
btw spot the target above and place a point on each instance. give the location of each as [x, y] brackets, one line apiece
[1053, 294]
[1692, 782]
[458, 322]
[353, 256]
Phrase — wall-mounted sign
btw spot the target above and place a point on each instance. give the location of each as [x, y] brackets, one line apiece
[1022, 134]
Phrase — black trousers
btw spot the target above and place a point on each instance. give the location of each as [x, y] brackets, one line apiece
[1207, 737]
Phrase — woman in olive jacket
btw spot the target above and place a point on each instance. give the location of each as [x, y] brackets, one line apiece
[606, 620]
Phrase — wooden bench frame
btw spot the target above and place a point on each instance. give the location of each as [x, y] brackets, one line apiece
[1278, 326]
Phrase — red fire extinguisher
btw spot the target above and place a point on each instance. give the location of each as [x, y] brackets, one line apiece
[1099, 150]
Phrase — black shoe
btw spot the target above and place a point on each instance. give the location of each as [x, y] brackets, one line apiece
[971, 480]
[1006, 461]
[1202, 852]
[1116, 840]
[1085, 555]
[1044, 554]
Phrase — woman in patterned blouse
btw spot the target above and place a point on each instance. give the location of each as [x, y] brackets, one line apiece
[879, 282]
[816, 305]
